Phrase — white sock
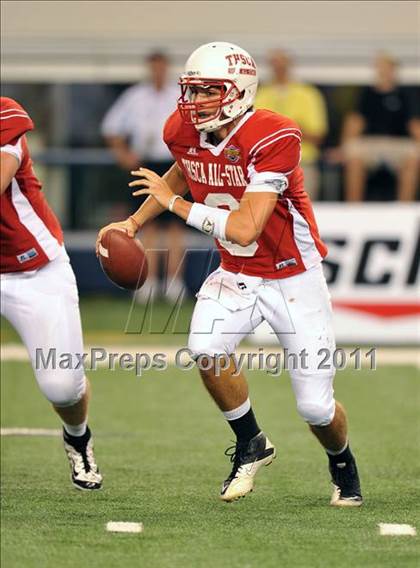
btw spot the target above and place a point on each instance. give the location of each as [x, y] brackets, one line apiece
[238, 412]
[78, 430]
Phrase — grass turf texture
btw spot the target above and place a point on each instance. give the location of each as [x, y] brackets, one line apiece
[160, 442]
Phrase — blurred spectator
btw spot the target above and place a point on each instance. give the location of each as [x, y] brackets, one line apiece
[133, 129]
[302, 103]
[382, 130]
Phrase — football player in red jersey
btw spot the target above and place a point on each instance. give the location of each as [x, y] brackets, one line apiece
[39, 294]
[242, 169]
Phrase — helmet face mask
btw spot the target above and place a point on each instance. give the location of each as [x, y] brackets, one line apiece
[195, 112]
[223, 66]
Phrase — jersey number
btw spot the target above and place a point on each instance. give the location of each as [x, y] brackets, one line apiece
[216, 199]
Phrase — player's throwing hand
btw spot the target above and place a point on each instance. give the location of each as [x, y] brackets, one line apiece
[153, 184]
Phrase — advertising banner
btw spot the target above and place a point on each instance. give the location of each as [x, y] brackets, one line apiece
[372, 269]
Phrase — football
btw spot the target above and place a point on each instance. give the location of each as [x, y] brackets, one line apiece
[123, 259]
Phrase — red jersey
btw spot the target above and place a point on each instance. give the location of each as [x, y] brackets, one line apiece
[262, 146]
[30, 234]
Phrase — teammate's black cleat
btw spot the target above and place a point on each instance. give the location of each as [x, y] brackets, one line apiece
[345, 479]
[84, 471]
[247, 460]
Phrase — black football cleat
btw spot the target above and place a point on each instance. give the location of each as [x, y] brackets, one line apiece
[345, 479]
[247, 459]
[84, 471]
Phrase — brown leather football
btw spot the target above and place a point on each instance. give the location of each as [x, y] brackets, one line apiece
[123, 259]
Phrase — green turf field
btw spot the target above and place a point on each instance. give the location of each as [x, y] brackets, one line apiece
[160, 443]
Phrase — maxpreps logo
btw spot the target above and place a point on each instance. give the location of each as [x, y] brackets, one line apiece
[232, 154]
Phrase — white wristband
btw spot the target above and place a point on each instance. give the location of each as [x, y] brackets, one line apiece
[172, 201]
[209, 220]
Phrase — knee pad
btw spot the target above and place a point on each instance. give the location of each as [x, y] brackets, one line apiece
[314, 395]
[316, 413]
[62, 387]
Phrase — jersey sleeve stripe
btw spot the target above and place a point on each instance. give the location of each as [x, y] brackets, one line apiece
[21, 114]
[296, 130]
[9, 110]
[260, 188]
[275, 140]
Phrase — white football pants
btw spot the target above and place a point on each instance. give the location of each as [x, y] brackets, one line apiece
[43, 307]
[298, 309]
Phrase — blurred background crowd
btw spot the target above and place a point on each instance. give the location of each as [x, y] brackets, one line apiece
[360, 141]
[100, 78]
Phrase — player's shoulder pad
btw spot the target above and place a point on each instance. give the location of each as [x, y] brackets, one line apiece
[265, 127]
[14, 120]
[175, 129]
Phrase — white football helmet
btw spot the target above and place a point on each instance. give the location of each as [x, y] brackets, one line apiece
[218, 64]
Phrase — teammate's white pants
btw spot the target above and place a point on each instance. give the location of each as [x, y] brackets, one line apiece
[43, 307]
[298, 308]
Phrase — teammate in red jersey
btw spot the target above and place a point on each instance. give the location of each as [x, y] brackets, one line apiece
[39, 294]
[242, 168]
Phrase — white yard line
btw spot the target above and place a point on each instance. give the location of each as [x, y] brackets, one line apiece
[118, 526]
[30, 432]
[388, 529]
[384, 355]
